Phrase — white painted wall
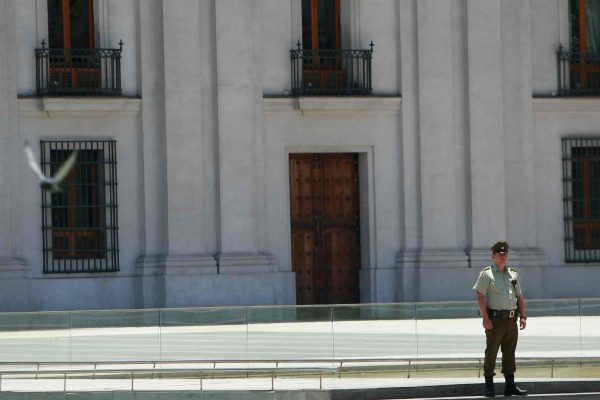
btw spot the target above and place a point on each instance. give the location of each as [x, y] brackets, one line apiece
[556, 119]
[549, 28]
[468, 155]
[116, 20]
[369, 128]
[60, 291]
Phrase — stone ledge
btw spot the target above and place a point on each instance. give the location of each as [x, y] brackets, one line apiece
[245, 262]
[566, 105]
[79, 106]
[525, 257]
[176, 264]
[190, 264]
[13, 268]
[438, 258]
[339, 103]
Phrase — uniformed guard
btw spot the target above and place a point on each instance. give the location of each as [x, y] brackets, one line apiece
[501, 303]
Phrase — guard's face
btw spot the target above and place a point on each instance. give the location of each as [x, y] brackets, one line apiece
[500, 259]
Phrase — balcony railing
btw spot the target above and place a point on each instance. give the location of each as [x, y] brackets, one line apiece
[578, 73]
[336, 72]
[78, 72]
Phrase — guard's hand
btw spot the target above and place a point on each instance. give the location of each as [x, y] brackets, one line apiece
[522, 323]
[487, 324]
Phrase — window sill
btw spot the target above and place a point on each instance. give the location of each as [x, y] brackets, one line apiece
[78, 106]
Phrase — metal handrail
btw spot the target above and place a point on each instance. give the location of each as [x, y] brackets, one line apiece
[78, 72]
[578, 73]
[132, 373]
[203, 372]
[331, 72]
[340, 361]
[283, 360]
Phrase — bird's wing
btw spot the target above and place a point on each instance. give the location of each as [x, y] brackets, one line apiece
[33, 164]
[64, 170]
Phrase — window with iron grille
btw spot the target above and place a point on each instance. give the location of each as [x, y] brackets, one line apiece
[581, 182]
[80, 223]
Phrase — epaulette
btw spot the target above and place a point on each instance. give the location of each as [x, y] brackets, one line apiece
[486, 268]
[512, 270]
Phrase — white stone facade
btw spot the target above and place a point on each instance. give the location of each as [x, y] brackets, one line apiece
[460, 146]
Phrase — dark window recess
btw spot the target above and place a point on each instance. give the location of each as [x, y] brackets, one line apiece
[321, 24]
[581, 182]
[579, 67]
[71, 65]
[80, 224]
[320, 67]
[71, 24]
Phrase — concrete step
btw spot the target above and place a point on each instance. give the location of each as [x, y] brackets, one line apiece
[556, 396]
[537, 389]
[254, 395]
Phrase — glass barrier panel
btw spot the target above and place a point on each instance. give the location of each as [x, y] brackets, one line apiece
[34, 337]
[374, 331]
[290, 333]
[441, 330]
[552, 329]
[449, 330]
[115, 335]
[447, 310]
[590, 327]
[209, 334]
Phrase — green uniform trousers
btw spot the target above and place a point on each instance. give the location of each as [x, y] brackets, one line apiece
[504, 335]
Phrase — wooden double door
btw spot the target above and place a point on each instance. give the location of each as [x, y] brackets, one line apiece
[324, 207]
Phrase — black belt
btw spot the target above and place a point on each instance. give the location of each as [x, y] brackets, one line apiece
[503, 314]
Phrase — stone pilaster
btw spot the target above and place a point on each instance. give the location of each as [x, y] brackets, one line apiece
[501, 131]
[436, 136]
[437, 253]
[150, 265]
[184, 138]
[518, 123]
[486, 127]
[240, 130]
[519, 144]
[13, 269]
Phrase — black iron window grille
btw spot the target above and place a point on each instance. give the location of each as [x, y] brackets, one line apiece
[334, 72]
[78, 72]
[80, 223]
[578, 73]
[581, 186]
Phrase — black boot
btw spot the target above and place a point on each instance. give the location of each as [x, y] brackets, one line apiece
[489, 387]
[510, 389]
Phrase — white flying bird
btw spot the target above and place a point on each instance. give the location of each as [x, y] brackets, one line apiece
[50, 184]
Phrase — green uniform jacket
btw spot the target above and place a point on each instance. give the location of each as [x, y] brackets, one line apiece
[500, 289]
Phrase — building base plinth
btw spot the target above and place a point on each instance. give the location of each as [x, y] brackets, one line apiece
[14, 285]
[230, 289]
[13, 268]
[242, 263]
[421, 274]
[197, 281]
